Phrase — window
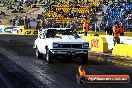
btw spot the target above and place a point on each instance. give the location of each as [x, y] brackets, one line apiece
[58, 32]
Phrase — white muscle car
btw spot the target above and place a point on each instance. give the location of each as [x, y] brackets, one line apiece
[54, 42]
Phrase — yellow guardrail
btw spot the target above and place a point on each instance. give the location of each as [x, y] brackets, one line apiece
[104, 33]
[128, 34]
[31, 32]
[97, 43]
[92, 32]
[122, 50]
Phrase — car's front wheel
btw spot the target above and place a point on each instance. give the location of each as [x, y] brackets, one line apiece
[84, 58]
[38, 54]
[49, 56]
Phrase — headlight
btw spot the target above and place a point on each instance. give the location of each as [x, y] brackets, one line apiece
[85, 45]
[55, 45]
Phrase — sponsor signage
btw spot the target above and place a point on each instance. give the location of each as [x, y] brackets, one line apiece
[13, 29]
[8, 29]
[95, 43]
[82, 78]
[17, 30]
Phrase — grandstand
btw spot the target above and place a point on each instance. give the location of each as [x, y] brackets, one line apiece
[118, 12]
[66, 12]
[10, 8]
[62, 12]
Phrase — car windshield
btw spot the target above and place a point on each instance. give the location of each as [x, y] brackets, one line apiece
[58, 33]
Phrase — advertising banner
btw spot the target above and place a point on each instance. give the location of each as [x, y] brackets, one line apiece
[13, 29]
[16, 30]
[96, 43]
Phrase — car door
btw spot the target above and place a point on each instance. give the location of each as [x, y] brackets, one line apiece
[42, 43]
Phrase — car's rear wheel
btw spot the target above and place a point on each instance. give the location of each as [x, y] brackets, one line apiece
[49, 56]
[84, 58]
[38, 54]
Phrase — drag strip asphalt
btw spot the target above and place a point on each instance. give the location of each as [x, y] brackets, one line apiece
[18, 64]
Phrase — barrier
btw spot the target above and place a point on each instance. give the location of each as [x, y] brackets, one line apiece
[104, 33]
[128, 34]
[30, 32]
[92, 32]
[129, 52]
[122, 50]
[97, 43]
[9, 29]
[16, 30]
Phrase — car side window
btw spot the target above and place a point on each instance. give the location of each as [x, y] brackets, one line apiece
[47, 33]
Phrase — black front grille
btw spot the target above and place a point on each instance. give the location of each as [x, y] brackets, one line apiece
[70, 45]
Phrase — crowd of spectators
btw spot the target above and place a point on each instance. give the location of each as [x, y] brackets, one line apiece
[119, 12]
[24, 20]
[44, 21]
[32, 23]
[2, 14]
[72, 13]
[17, 6]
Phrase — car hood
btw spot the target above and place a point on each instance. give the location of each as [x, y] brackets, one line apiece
[68, 39]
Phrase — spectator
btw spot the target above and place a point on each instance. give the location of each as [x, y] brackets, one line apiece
[116, 33]
[17, 22]
[2, 13]
[43, 23]
[38, 27]
[85, 27]
[108, 29]
[121, 29]
[34, 6]
[26, 22]
[38, 17]
[14, 21]
[72, 26]
[71, 13]
[61, 12]
[14, 10]
[22, 21]
[0, 23]
[20, 9]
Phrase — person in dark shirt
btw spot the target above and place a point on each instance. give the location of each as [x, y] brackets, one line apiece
[26, 22]
[22, 21]
[108, 29]
[2, 13]
[38, 27]
[0, 23]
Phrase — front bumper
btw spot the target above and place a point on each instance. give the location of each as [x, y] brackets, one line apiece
[69, 51]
